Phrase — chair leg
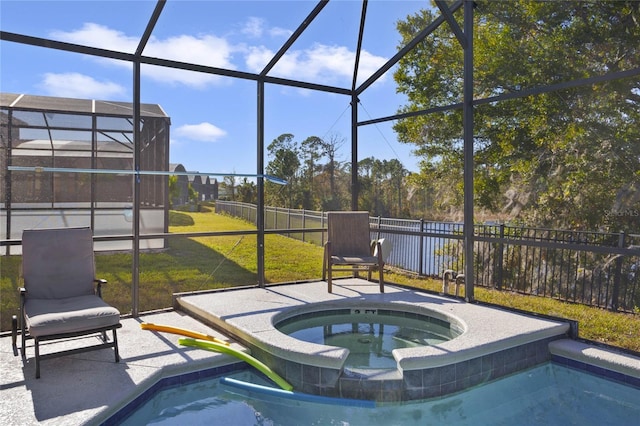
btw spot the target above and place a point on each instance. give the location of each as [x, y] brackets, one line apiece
[115, 345]
[325, 263]
[381, 276]
[37, 348]
[23, 334]
[14, 334]
[329, 284]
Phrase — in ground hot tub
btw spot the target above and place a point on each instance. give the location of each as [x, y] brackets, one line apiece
[355, 349]
[371, 334]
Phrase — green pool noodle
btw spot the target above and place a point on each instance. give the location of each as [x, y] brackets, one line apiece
[217, 347]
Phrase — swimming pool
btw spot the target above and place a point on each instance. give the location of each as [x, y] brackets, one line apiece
[548, 394]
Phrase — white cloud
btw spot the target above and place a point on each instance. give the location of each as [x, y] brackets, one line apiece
[204, 50]
[257, 57]
[327, 64]
[254, 27]
[280, 32]
[76, 85]
[98, 36]
[205, 132]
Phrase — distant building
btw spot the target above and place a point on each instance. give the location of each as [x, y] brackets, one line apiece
[206, 187]
[182, 196]
[209, 189]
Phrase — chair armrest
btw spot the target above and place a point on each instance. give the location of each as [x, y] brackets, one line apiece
[326, 258]
[327, 248]
[99, 282]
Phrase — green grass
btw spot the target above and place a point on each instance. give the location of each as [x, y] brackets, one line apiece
[191, 264]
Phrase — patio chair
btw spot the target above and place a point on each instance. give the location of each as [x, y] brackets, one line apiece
[349, 247]
[59, 299]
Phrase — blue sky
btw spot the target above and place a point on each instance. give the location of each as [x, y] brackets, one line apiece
[214, 118]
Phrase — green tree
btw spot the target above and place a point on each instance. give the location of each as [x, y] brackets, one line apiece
[383, 189]
[174, 190]
[284, 164]
[561, 158]
[396, 187]
[194, 196]
[229, 185]
[366, 196]
[335, 197]
[247, 191]
[311, 153]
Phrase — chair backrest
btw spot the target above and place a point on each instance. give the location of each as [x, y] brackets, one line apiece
[349, 233]
[58, 263]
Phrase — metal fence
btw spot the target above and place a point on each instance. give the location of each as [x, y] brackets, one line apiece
[591, 268]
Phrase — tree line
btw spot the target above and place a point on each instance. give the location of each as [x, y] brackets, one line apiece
[318, 179]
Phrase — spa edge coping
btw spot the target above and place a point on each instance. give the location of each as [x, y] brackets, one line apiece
[498, 331]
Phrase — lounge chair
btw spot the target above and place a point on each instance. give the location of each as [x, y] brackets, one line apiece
[61, 298]
[349, 247]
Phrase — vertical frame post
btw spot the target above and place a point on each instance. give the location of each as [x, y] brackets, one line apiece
[354, 152]
[467, 111]
[260, 184]
[135, 273]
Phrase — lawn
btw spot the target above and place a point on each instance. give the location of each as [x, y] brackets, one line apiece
[201, 263]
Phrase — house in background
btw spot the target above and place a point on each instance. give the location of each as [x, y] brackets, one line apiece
[181, 195]
[206, 187]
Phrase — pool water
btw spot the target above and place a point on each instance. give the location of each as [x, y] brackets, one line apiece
[369, 338]
[549, 394]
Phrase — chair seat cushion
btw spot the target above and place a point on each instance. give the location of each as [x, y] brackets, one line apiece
[350, 260]
[45, 317]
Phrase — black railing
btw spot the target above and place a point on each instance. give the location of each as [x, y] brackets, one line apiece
[591, 268]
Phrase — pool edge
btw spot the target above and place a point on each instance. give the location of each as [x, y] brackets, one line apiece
[607, 362]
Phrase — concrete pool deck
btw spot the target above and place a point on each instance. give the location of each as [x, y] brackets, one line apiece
[88, 388]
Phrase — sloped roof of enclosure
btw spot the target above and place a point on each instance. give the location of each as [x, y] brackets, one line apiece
[82, 106]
